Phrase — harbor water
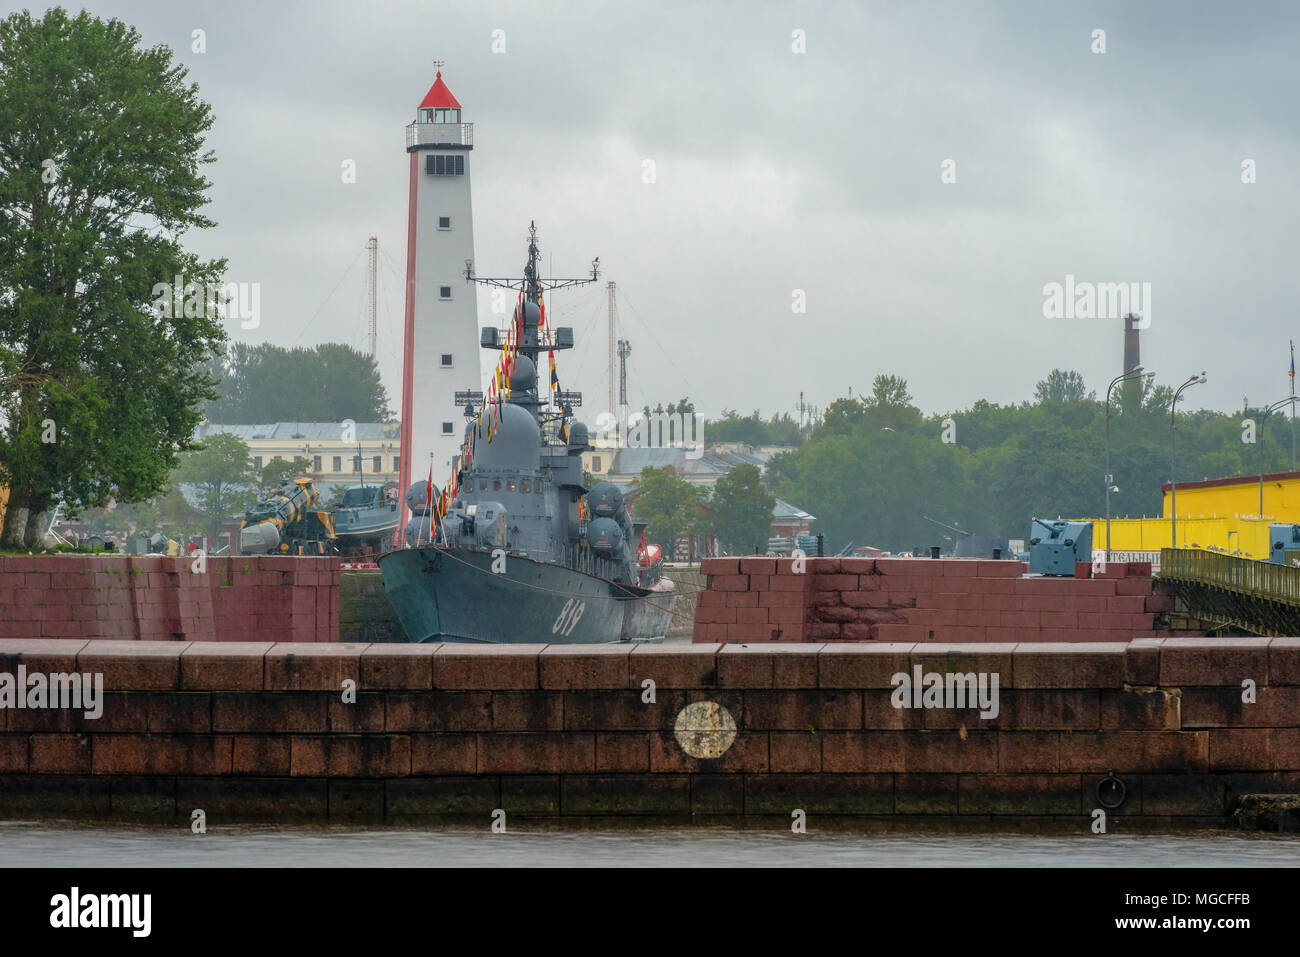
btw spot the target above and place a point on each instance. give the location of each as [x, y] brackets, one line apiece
[46, 845]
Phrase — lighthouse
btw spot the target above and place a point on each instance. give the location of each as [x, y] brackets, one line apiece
[440, 341]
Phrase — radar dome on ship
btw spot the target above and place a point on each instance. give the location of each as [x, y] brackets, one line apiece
[417, 496]
[579, 437]
[604, 535]
[606, 501]
[514, 441]
[524, 376]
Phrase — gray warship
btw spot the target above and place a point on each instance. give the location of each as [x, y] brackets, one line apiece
[517, 548]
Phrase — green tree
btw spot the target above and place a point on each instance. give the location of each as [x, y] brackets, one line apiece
[101, 152]
[223, 477]
[671, 506]
[1061, 386]
[742, 510]
[277, 469]
[889, 391]
[267, 383]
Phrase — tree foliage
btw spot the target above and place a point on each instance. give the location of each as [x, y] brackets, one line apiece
[267, 383]
[101, 153]
[671, 506]
[874, 470]
[221, 476]
[742, 510]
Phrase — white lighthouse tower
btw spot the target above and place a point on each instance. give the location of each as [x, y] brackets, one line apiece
[441, 334]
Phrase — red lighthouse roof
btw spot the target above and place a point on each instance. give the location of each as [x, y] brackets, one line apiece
[438, 96]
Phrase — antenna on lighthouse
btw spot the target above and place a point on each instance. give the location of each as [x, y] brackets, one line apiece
[372, 290]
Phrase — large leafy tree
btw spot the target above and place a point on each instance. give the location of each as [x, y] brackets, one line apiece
[278, 469]
[101, 153]
[742, 510]
[267, 383]
[221, 476]
[671, 506]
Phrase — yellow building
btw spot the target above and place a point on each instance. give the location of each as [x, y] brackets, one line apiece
[1222, 514]
[371, 450]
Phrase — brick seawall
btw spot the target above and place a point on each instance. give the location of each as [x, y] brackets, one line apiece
[917, 599]
[249, 731]
[152, 597]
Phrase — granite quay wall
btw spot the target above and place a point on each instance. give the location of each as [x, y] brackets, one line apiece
[400, 732]
[153, 597]
[365, 613]
[918, 599]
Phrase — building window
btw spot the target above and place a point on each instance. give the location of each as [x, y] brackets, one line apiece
[338, 463]
[444, 292]
[446, 360]
[257, 461]
[356, 463]
[525, 485]
[377, 464]
[496, 485]
[397, 464]
[443, 165]
[315, 463]
[595, 463]
[444, 222]
[448, 428]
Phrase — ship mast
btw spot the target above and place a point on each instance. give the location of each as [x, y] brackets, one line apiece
[528, 338]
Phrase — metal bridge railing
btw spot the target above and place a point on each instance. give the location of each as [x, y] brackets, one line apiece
[1265, 580]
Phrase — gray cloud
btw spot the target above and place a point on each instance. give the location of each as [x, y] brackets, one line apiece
[778, 172]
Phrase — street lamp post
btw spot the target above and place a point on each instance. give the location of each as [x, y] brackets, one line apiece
[1173, 445]
[1264, 418]
[1110, 479]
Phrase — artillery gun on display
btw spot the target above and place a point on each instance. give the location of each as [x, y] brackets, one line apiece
[287, 521]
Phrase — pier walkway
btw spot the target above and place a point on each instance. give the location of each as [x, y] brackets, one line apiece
[1256, 596]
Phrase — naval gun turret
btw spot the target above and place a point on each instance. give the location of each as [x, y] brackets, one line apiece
[287, 522]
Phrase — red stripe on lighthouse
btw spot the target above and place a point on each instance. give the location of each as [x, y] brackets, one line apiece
[408, 358]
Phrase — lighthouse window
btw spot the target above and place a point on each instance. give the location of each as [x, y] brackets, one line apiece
[447, 428]
[444, 222]
[442, 165]
[444, 292]
[446, 360]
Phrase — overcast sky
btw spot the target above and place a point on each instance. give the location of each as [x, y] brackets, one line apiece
[779, 171]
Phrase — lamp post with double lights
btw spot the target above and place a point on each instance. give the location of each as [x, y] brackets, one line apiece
[1173, 445]
[1289, 400]
[1135, 373]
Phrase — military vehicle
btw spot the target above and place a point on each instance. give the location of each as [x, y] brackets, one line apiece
[288, 521]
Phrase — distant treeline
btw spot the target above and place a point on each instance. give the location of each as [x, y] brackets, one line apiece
[265, 383]
[875, 467]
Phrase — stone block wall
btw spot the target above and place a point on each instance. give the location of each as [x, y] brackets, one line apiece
[918, 599]
[153, 597]
[267, 731]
